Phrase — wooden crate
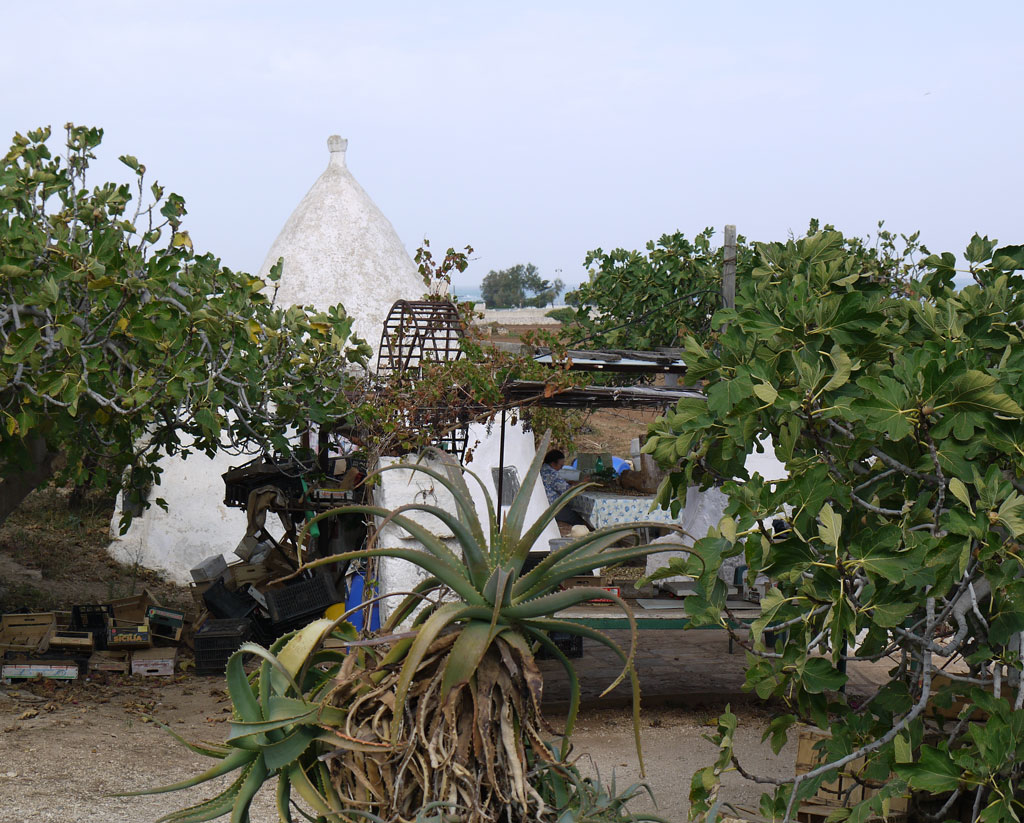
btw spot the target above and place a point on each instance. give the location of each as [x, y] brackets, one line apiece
[242, 574]
[819, 813]
[73, 641]
[26, 632]
[107, 661]
[133, 609]
[30, 669]
[832, 794]
[154, 662]
[165, 623]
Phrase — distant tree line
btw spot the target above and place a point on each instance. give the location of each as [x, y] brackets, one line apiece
[518, 286]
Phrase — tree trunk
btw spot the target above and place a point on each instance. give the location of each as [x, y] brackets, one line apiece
[16, 487]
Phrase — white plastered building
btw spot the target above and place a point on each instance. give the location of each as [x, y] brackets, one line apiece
[336, 247]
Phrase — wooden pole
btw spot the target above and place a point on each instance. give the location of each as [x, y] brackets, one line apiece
[729, 269]
[729, 272]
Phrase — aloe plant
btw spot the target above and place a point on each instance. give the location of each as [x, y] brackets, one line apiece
[446, 716]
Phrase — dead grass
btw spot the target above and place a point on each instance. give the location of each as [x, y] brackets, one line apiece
[53, 555]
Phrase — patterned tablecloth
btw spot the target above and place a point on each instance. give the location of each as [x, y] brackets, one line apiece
[607, 509]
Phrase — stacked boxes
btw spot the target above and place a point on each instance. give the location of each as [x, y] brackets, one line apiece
[845, 791]
[216, 640]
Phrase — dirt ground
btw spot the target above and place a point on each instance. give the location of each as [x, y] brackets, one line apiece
[64, 748]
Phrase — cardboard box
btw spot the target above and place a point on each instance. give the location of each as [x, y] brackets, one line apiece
[960, 690]
[106, 661]
[27, 632]
[128, 635]
[154, 662]
[165, 623]
[50, 669]
[72, 640]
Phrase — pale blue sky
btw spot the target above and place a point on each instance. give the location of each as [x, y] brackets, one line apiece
[537, 131]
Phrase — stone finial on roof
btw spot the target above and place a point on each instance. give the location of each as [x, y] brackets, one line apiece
[337, 147]
[338, 247]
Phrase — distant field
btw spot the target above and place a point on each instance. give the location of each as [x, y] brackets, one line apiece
[520, 317]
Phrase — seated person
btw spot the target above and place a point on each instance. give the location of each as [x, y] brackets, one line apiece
[556, 485]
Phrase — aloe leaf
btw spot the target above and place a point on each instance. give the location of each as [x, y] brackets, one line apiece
[545, 575]
[410, 602]
[236, 760]
[247, 707]
[215, 750]
[247, 791]
[535, 531]
[294, 655]
[290, 748]
[549, 604]
[574, 687]
[280, 677]
[452, 578]
[330, 736]
[586, 547]
[573, 566]
[436, 547]
[281, 707]
[307, 791]
[437, 622]
[453, 480]
[326, 787]
[283, 797]
[297, 656]
[465, 656]
[513, 527]
[553, 624]
[473, 548]
[210, 809]
[458, 473]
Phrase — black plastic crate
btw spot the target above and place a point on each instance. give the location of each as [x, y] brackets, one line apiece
[225, 604]
[92, 618]
[296, 603]
[533, 559]
[571, 645]
[215, 642]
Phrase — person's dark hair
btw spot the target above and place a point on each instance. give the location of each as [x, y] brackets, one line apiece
[553, 456]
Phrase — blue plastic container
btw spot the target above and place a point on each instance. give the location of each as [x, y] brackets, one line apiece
[355, 597]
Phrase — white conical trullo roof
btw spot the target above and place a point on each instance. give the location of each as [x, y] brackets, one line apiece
[338, 247]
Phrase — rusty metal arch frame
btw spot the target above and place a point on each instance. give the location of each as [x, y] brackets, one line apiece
[416, 332]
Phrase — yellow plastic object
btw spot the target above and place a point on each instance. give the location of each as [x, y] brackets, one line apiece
[335, 611]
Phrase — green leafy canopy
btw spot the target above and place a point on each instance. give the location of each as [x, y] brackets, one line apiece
[121, 341]
[895, 403]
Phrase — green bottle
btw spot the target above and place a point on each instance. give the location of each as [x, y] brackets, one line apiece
[599, 466]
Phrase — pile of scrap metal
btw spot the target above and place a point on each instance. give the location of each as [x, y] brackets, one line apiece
[260, 596]
[264, 594]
